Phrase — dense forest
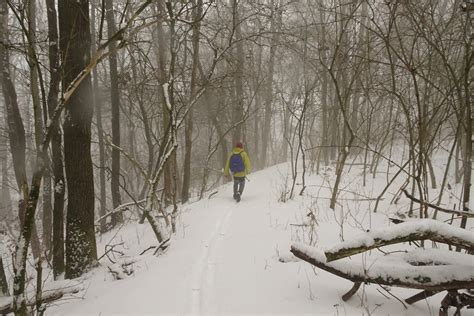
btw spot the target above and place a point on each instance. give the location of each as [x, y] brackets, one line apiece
[111, 108]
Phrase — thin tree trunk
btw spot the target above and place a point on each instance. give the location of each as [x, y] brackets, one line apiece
[38, 122]
[189, 119]
[268, 101]
[325, 119]
[115, 101]
[467, 161]
[100, 130]
[170, 166]
[238, 106]
[56, 142]
[5, 196]
[3, 280]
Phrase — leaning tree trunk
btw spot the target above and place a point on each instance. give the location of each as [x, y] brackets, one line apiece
[75, 46]
[115, 100]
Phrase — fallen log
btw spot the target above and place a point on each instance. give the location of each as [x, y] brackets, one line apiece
[425, 229]
[431, 278]
[46, 297]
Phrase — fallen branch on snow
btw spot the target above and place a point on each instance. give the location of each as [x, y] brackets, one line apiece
[47, 297]
[403, 232]
[432, 278]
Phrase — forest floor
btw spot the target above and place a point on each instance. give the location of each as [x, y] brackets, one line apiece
[231, 258]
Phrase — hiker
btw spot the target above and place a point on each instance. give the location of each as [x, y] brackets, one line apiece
[239, 165]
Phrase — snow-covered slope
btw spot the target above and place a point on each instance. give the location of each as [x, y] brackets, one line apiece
[232, 258]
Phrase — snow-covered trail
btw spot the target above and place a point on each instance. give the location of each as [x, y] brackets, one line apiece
[218, 263]
[204, 270]
[239, 267]
[224, 260]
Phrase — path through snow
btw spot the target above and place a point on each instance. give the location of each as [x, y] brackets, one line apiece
[223, 260]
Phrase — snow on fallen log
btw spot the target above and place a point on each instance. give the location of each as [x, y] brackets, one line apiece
[50, 293]
[420, 256]
[404, 232]
[392, 273]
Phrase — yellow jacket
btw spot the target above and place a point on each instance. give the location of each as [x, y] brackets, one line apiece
[245, 158]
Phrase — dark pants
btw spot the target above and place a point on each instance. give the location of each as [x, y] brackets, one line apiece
[239, 184]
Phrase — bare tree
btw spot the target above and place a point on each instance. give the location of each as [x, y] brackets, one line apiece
[74, 30]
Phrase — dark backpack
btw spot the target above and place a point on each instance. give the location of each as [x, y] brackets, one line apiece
[236, 163]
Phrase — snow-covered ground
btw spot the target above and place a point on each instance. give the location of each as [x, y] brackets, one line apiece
[231, 258]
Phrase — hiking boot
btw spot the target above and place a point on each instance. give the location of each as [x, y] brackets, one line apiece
[237, 197]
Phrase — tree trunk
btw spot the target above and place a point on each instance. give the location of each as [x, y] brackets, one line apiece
[38, 121]
[189, 119]
[325, 119]
[115, 101]
[75, 46]
[100, 130]
[3, 280]
[238, 107]
[56, 142]
[467, 182]
[5, 196]
[16, 130]
[162, 42]
[269, 82]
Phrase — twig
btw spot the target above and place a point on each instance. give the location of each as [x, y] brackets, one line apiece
[149, 248]
[462, 213]
[162, 246]
[393, 295]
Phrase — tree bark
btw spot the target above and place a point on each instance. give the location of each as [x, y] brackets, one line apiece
[75, 46]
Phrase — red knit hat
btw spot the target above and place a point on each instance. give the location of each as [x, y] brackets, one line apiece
[239, 145]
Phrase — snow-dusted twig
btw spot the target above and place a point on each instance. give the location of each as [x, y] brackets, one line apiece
[120, 208]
